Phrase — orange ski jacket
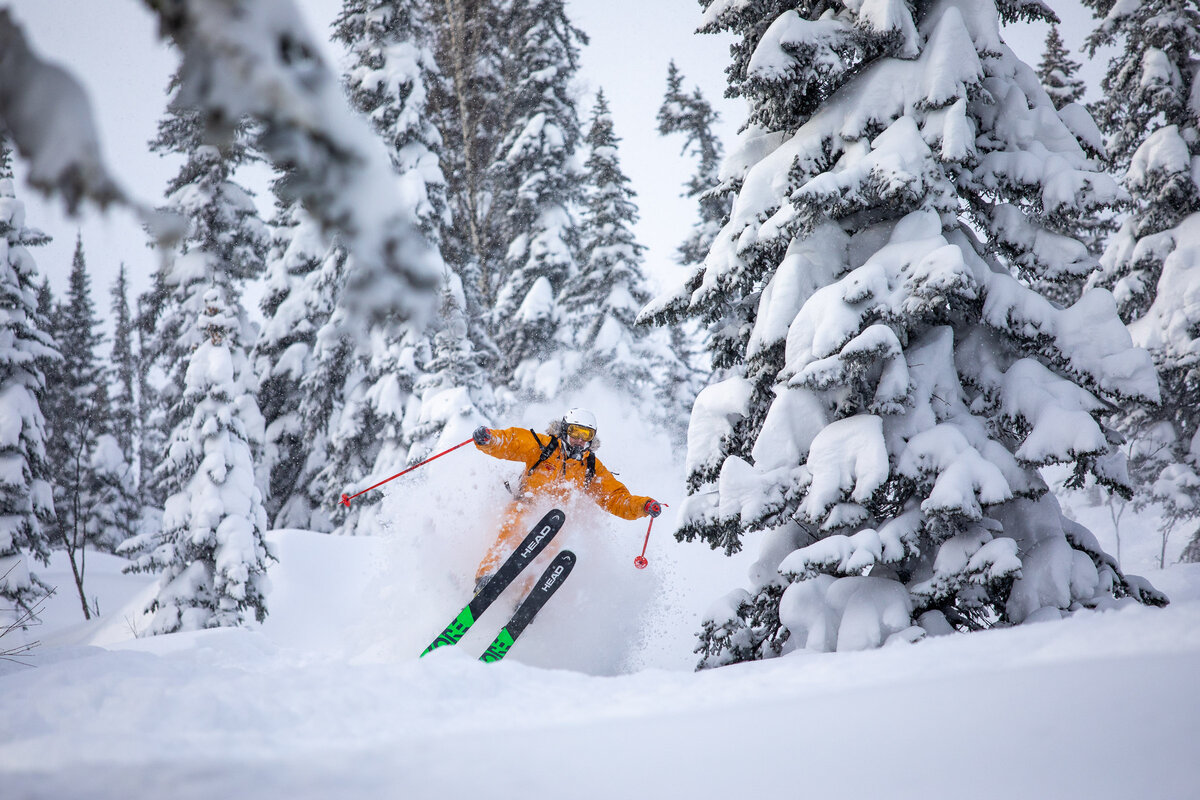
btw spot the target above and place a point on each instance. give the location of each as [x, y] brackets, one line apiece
[560, 476]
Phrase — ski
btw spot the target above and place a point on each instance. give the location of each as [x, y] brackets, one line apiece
[547, 585]
[527, 551]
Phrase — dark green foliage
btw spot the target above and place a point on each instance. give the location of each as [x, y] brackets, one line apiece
[123, 370]
[535, 180]
[609, 288]
[1148, 114]
[26, 502]
[1057, 71]
[1148, 84]
[192, 322]
[872, 345]
[752, 634]
[693, 116]
[77, 415]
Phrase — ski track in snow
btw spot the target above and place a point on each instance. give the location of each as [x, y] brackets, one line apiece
[1098, 705]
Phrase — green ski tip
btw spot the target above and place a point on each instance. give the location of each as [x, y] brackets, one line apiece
[454, 631]
[498, 648]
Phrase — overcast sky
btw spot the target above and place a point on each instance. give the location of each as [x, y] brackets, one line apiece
[113, 48]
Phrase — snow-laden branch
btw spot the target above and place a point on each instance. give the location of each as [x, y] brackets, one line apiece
[46, 113]
[241, 59]
[256, 59]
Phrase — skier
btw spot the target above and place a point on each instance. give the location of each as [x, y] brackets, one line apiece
[557, 465]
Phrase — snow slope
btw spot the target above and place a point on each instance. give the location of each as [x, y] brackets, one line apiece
[316, 705]
[327, 698]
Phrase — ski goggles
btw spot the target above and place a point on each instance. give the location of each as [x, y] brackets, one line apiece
[581, 432]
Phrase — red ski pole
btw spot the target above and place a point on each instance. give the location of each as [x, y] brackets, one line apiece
[346, 500]
[640, 562]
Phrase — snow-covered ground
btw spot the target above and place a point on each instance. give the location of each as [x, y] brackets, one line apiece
[327, 699]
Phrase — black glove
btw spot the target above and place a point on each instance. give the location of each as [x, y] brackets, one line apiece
[652, 508]
[482, 435]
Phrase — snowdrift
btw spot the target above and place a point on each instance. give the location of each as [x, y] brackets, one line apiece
[598, 699]
[328, 699]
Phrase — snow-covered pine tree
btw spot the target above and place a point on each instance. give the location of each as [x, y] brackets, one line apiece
[1150, 111]
[114, 508]
[387, 81]
[152, 409]
[52, 373]
[225, 246]
[26, 496]
[326, 390]
[470, 107]
[1058, 71]
[538, 184]
[283, 357]
[388, 78]
[694, 117]
[115, 462]
[719, 318]
[211, 555]
[896, 386]
[209, 551]
[78, 418]
[599, 306]
[123, 419]
[455, 392]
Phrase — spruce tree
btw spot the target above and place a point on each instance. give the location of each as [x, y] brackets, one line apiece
[1057, 71]
[123, 370]
[225, 246]
[211, 555]
[79, 417]
[210, 551]
[152, 409]
[283, 357]
[471, 108]
[388, 80]
[891, 387]
[52, 398]
[456, 395]
[114, 507]
[117, 468]
[1149, 112]
[538, 185]
[324, 403]
[693, 116]
[600, 304]
[45, 302]
[26, 496]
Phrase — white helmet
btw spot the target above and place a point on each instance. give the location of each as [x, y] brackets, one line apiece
[580, 416]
